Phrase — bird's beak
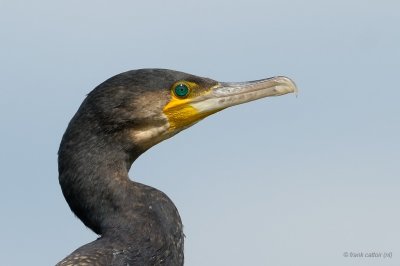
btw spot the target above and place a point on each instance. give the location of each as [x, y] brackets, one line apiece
[184, 113]
[227, 94]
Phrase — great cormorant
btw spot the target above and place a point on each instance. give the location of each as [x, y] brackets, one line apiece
[118, 121]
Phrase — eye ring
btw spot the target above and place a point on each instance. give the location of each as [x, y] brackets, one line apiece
[181, 90]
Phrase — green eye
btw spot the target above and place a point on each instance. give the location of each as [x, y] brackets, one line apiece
[181, 90]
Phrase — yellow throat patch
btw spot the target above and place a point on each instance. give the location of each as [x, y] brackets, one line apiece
[179, 111]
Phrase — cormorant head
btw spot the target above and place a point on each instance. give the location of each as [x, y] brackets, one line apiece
[151, 105]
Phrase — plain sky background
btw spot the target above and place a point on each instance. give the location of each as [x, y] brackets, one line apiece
[281, 181]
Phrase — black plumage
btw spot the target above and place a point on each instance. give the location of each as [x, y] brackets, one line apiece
[138, 224]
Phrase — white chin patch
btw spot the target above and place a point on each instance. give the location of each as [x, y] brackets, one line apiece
[149, 137]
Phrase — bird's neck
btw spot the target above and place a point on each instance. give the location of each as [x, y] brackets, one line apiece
[93, 174]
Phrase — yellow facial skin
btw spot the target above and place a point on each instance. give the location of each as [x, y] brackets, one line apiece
[179, 111]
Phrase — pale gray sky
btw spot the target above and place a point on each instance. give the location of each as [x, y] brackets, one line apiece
[281, 181]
